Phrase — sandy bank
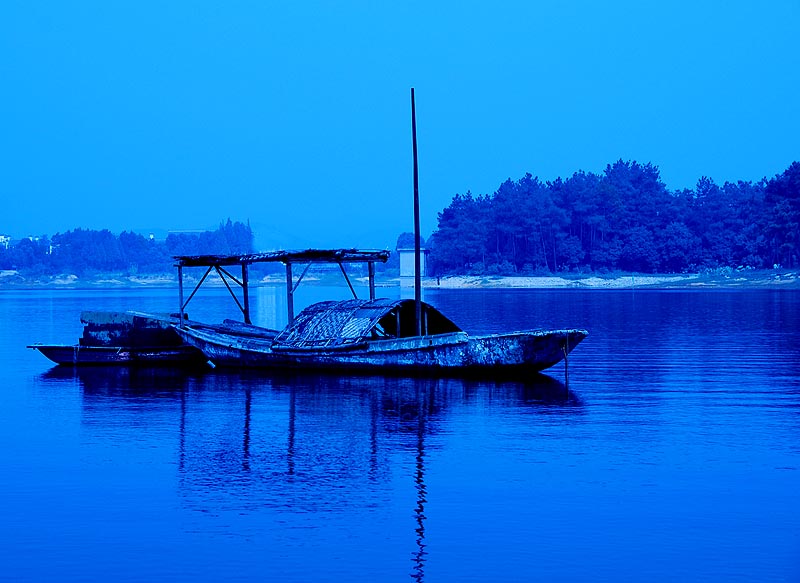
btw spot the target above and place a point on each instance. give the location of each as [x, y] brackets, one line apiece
[772, 279]
[749, 279]
[552, 282]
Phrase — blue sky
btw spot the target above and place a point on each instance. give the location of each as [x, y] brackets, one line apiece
[296, 115]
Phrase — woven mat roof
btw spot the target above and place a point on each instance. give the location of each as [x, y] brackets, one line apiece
[335, 323]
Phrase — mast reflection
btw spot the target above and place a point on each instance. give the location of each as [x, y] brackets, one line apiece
[418, 573]
[248, 394]
[290, 432]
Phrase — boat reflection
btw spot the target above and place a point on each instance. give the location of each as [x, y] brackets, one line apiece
[297, 442]
[123, 381]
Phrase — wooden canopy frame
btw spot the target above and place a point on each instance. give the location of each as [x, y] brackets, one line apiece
[219, 263]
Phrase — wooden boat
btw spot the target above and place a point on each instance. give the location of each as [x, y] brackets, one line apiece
[124, 338]
[379, 336]
[376, 335]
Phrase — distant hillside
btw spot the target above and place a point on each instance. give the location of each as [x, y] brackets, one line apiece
[84, 251]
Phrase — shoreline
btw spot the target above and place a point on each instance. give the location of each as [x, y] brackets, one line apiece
[772, 279]
[723, 279]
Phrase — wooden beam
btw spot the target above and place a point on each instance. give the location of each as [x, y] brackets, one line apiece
[299, 279]
[347, 279]
[180, 293]
[227, 285]
[289, 292]
[371, 266]
[197, 287]
[226, 272]
[309, 255]
[246, 294]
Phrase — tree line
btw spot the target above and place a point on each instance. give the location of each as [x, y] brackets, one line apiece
[85, 251]
[623, 219]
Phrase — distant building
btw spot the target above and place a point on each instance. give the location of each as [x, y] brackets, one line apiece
[5, 240]
[407, 271]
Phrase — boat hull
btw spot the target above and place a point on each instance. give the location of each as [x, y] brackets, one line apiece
[454, 353]
[104, 355]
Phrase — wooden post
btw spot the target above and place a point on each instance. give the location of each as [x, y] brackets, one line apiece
[566, 364]
[417, 261]
[245, 295]
[371, 266]
[289, 293]
[180, 294]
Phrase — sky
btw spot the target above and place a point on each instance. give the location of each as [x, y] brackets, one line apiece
[157, 116]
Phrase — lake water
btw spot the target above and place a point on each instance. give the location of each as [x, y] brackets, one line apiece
[674, 456]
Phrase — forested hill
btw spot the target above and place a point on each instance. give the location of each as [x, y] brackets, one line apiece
[624, 218]
[84, 252]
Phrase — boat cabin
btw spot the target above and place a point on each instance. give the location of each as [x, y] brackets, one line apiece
[340, 324]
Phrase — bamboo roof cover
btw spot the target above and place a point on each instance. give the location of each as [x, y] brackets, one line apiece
[334, 323]
[342, 324]
[306, 256]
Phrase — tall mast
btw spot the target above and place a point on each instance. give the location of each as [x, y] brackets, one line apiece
[417, 250]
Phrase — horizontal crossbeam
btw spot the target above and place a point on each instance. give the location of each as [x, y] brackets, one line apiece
[307, 256]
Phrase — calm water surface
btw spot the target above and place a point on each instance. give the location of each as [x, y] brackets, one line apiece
[675, 455]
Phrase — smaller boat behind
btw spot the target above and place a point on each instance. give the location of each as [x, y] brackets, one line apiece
[124, 338]
[75, 354]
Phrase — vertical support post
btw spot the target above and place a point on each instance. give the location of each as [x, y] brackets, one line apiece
[566, 364]
[371, 267]
[245, 295]
[417, 251]
[289, 293]
[180, 294]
